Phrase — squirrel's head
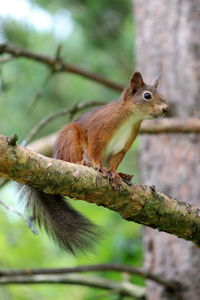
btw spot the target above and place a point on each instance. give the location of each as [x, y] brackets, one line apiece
[144, 99]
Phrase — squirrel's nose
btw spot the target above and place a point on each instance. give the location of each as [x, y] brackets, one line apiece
[165, 108]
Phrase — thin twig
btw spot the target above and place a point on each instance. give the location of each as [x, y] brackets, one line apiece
[41, 92]
[42, 123]
[171, 125]
[46, 81]
[58, 53]
[6, 59]
[28, 221]
[91, 268]
[126, 288]
[58, 66]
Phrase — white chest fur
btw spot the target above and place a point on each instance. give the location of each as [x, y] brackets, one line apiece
[120, 138]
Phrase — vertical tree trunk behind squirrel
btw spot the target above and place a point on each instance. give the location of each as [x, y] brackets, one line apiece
[167, 42]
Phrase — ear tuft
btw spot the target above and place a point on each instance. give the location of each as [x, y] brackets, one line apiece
[156, 81]
[136, 81]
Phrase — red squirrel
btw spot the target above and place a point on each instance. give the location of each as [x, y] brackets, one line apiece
[100, 138]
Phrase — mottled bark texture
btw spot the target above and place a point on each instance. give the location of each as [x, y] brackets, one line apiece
[139, 203]
[167, 42]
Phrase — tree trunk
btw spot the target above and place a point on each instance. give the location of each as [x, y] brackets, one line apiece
[167, 42]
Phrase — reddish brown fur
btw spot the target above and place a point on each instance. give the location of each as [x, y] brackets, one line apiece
[99, 138]
[69, 145]
[85, 140]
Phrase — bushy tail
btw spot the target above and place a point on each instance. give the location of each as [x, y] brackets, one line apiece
[69, 229]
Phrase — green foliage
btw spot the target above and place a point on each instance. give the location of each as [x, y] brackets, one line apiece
[101, 41]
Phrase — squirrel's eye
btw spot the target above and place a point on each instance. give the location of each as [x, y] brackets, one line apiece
[147, 96]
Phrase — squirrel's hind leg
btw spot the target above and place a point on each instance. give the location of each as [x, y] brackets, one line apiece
[70, 144]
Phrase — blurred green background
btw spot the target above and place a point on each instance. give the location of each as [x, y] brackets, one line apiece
[96, 35]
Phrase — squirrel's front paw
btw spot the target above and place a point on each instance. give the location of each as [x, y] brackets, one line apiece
[105, 173]
[86, 163]
[116, 180]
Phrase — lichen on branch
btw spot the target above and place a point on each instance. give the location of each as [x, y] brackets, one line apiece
[138, 203]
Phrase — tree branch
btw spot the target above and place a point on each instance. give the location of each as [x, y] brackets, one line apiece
[28, 221]
[123, 287]
[42, 123]
[45, 144]
[91, 268]
[171, 125]
[139, 203]
[58, 65]
[71, 111]
[40, 93]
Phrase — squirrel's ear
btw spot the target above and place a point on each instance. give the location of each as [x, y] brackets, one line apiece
[156, 81]
[136, 81]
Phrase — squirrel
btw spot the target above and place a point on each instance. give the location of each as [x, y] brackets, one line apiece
[99, 138]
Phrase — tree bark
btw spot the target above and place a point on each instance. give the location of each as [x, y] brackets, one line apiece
[117, 287]
[167, 42]
[57, 65]
[138, 203]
